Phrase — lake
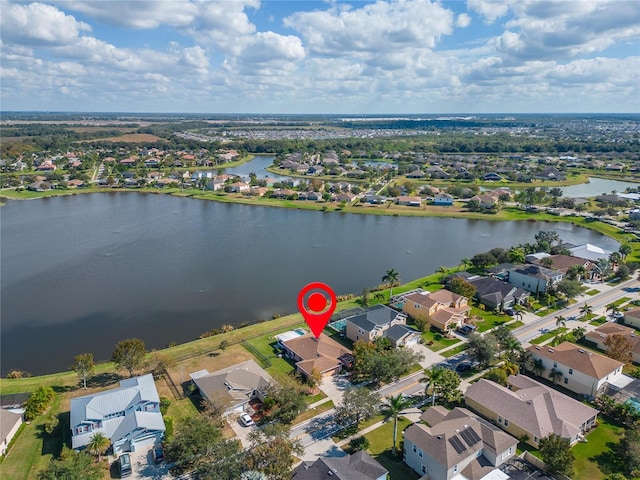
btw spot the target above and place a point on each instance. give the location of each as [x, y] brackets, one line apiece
[80, 273]
[595, 187]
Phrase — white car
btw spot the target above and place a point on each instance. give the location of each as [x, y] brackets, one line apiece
[246, 420]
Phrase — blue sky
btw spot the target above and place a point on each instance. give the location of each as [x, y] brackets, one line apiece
[252, 56]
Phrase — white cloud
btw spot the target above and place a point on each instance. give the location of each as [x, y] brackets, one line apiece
[267, 47]
[378, 27]
[463, 20]
[38, 24]
[491, 10]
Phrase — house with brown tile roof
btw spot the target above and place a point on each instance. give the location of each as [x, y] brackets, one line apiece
[311, 353]
[632, 317]
[583, 371]
[600, 334]
[564, 262]
[455, 444]
[442, 309]
[527, 407]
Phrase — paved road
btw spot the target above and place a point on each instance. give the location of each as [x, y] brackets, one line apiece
[527, 332]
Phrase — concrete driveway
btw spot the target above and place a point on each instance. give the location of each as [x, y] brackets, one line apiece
[241, 431]
[144, 468]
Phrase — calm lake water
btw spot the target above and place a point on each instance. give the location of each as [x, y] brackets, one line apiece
[80, 273]
[595, 187]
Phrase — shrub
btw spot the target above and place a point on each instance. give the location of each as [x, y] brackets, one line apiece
[38, 402]
[164, 405]
[359, 443]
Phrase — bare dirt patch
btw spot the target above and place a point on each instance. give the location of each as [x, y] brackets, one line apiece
[131, 138]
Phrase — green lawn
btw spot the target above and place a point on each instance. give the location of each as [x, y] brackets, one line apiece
[490, 319]
[597, 458]
[592, 292]
[380, 448]
[598, 321]
[436, 341]
[454, 350]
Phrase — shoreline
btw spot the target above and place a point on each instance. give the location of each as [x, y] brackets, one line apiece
[292, 319]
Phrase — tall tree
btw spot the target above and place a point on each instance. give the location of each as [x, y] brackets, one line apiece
[465, 262]
[98, 444]
[619, 348]
[392, 277]
[624, 250]
[442, 270]
[71, 465]
[272, 451]
[557, 454]
[560, 321]
[613, 308]
[433, 377]
[129, 354]
[483, 349]
[393, 407]
[358, 404]
[462, 287]
[83, 366]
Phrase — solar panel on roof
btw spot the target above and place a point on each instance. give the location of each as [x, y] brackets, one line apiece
[470, 436]
[457, 444]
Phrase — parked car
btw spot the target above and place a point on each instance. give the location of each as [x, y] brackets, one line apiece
[463, 367]
[466, 329]
[124, 465]
[158, 454]
[246, 420]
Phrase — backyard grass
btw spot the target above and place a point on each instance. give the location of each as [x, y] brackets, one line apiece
[598, 458]
[380, 448]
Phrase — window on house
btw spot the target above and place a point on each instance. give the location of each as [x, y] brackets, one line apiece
[566, 380]
[499, 419]
[414, 449]
[424, 469]
[555, 364]
[506, 422]
[571, 371]
[536, 439]
[420, 453]
[455, 469]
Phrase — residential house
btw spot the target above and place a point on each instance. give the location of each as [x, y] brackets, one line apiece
[485, 200]
[491, 177]
[443, 199]
[409, 201]
[311, 353]
[436, 172]
[344, 197]
[600, 334]
[632, 317]
[591, 252]
[39, 186]
[9, 424]
[550, 173]
[496, 294]
[374, 199]
[380, 321]
[583, 371]
[529, 408]
[564, 262]
[416, 174]
[75, 183]
[534, 278]
[129, 416]
[442, 309]
[234, 387]
[357, 466]
[456, 444]
[239, 187]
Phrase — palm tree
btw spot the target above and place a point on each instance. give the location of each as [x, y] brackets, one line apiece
[561, 321]
[443, 271]
[432, 378]
[392, 277]
[624, 250]
[555, 375]
[98, 443]
[538, 367]
[587, 311]
[614, 309]
[393, 408]
[512, 349]
[578, 333]
[517, 311]
[465, 262]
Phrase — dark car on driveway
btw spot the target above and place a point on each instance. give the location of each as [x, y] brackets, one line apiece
[464, 366]
[124, 465]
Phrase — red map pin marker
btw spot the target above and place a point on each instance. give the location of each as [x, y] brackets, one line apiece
[320, 305]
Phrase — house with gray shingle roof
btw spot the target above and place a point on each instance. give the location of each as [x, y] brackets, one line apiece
[380, 321]
[583, 371]
[9, 424]
[534, 278]
[128, 416]
[232, 388]
[530, 408]
[358, 466]
[456, 444]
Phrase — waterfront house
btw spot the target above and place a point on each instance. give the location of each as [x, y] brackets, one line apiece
[534, 278]
[357, 466]
[310, 353]
[442, 309]
[443, 199]
[129, 416]
[9, 424]
[232, 388]
[581, 371]
[409, 201]
[496, 294]
[528, 408]
[456, 444]
[380, 321]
